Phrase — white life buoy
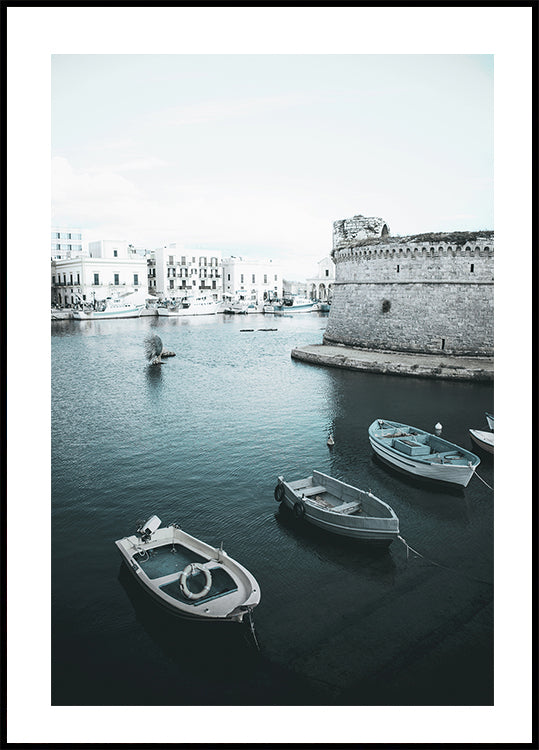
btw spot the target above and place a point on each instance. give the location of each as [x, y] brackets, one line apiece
[190, 570]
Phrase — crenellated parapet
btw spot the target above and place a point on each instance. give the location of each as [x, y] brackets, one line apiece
[422, 293]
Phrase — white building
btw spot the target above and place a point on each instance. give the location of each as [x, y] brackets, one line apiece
[175, 272]
[251, 280]
[66, 242]
[109, 269]
[320, 287]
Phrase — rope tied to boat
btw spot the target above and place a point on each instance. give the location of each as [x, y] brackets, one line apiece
[439, 565]
[488, 485]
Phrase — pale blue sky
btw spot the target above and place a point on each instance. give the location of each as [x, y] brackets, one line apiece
[259, 154]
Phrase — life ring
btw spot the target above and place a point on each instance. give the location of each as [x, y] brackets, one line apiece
[190, 570]
[278, 493]
[299, 508]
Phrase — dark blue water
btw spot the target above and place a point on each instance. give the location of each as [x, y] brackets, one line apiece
[201, 440]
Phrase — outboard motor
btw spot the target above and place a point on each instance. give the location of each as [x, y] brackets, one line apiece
[147, 529]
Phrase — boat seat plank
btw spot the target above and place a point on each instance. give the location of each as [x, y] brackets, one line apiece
[308, 491]
[347, 507]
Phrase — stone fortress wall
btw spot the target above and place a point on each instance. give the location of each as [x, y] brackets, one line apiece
[427, 293]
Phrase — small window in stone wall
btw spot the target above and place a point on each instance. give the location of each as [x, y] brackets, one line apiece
[386, 306]
[471, 267]
[398, 268]
[443, 344]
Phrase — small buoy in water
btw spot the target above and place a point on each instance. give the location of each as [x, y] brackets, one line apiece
[438, 427]
[330, 440]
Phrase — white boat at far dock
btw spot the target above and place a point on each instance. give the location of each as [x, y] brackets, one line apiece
[199, 305]
[189, 577]
[337, 507]
[128, 306]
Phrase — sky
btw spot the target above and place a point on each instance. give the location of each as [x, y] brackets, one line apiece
[258, 155]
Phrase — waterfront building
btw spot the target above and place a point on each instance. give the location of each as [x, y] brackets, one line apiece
[252, 281]
[175, 272]
[67, 242]
[110, 268]
[425, 293]
[320, 287]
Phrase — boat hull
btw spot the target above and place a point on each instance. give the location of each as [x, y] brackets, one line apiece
[106, 314]
[484, 440]
[61, 314]
[187, 311]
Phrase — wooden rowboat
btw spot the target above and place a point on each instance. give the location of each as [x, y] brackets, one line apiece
[337, 507]
[422, 454]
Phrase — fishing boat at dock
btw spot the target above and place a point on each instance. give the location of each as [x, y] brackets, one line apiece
[339, 508]
[112, 307]
[421, 453]
[189, 577]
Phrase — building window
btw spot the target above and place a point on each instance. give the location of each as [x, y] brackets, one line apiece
[443, 343]
[54, 279]
[96, 278]
[471, 267]
[78, 278]
[116, 279]
[135, 279]
[228, 276]
[241, 278]
[327, 271]
[398, 268]
[275, 277]
[115, 253]
[171, 284]
[265, 278]
[253, 278]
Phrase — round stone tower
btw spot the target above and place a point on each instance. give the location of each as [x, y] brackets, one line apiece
[427, 293]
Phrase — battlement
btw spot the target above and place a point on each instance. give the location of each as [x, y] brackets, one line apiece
[439, 243]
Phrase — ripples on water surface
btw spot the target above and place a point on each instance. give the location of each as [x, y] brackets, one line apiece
[201, 440]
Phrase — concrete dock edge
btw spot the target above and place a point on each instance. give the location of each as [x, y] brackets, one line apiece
[398, 363]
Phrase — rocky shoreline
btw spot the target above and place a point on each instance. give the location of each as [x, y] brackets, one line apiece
[441, 366]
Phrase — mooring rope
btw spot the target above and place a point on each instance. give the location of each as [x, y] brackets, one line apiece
[488, 485]
[439, 565]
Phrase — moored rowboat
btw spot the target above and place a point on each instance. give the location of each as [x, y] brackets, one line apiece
[338, 507]
[484, 440]
[420, 453]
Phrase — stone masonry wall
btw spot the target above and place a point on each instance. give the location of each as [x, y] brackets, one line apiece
[410, 294]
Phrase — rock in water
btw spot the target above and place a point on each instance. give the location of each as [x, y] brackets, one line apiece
[154, 348]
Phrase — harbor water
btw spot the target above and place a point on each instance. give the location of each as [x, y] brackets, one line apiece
[201, 440]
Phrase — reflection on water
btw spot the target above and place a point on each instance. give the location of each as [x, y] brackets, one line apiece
[201, 440]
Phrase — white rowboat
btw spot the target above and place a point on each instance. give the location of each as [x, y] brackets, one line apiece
[484, 440]
[422, 454]
[337, 507]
